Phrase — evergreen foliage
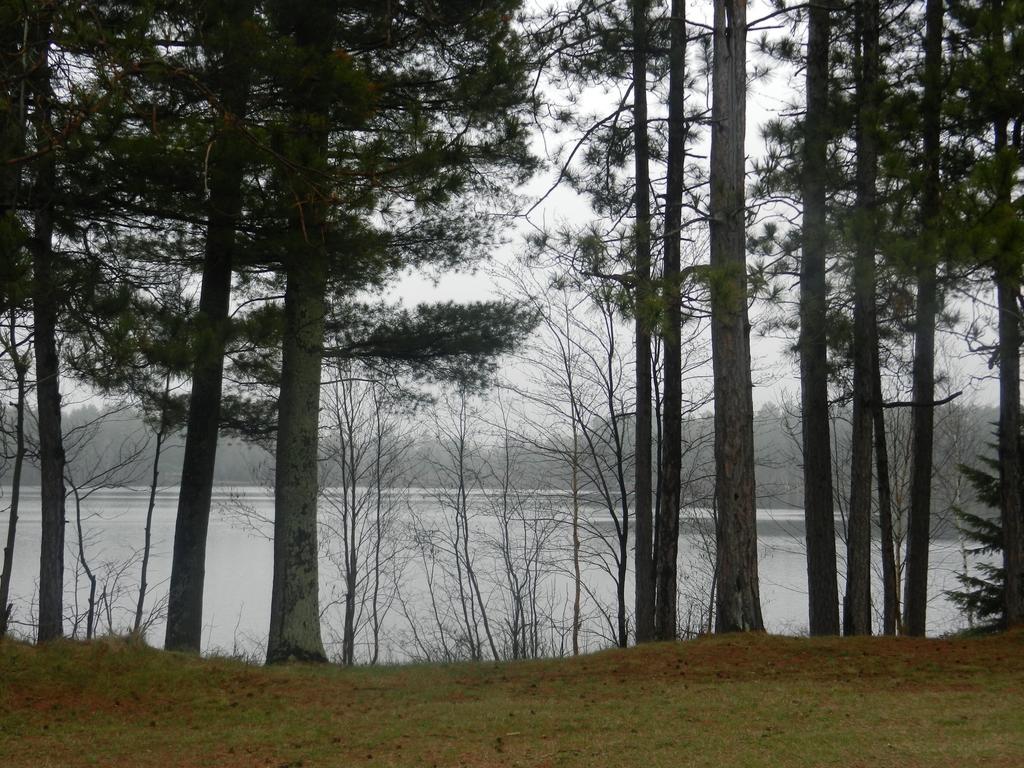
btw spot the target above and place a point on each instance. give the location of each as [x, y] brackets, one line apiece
[982, 593]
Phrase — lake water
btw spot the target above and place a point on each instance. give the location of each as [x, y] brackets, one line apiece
[240, 562]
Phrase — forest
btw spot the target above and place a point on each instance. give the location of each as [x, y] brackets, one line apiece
[211, 214]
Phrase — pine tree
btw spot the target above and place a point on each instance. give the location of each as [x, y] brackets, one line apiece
[916, 598]
[987, 104]
[738, 596]
[226, 31]
[982, 593]
[330, 176]
[670, 469]
[819, 511]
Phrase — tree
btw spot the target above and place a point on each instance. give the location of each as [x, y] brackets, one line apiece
[857, 603]
[364, 451]
[13, 269]
[819, 513]
[646, 588]
[982, 593]
[226, 32]
[437, 155]
[916, 598]
[45, 307]
[1008, 268]
[988, 82]
[667, 537]
[739, 603]
[13, 341]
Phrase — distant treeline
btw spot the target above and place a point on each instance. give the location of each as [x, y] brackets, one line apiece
[99, 439]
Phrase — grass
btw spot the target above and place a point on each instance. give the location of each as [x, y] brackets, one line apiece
[724, 701]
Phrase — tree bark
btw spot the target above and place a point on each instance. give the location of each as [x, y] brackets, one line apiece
[46, 300]
[21, 373]
[923, 415]
[1008, 288]
[295, 600]
[819, 512]
[12, 142]
[645, 569]
[295, 606]
[890, 585]
[857, 605]
[738, 599]
[671, 432]
[226, 168]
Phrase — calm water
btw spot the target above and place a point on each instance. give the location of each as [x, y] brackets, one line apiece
[239, 567]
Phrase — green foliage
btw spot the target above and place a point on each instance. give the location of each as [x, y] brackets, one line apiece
[981, 596]
[445, 342]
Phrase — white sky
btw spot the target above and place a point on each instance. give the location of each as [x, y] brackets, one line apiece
[775, 372]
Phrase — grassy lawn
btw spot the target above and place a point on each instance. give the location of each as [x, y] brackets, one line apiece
[732, 701]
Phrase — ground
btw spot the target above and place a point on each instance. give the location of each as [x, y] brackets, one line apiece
[726, 701]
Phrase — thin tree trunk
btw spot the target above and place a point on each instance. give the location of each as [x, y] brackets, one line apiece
[153, 483]
[819, 513]
[890, 580]
[645, 584]
[1008, 288]
[226, 168]
[577, 576]
[857, 605]
[672, 449]
[12, 138]
[622, 526]
[923, 413]
[738, 599]
[378, 480]
[21, 372]
[46, 301]
[90, 620]
[575, 417]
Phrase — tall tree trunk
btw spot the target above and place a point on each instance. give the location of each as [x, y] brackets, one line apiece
[671, 432]
[577, 577]
[739, 602]
[226, 168]
[645, 585]
[819, 513]
[46, 301]
[295, 600]
[923, 414]
[1008, 288]
[857, 606]
[12, 144]
[574, 479]
[890, 583]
